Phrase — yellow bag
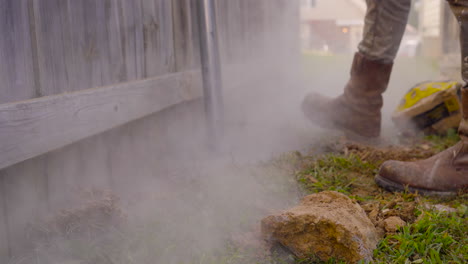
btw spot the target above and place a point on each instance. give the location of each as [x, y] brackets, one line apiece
[431, 107]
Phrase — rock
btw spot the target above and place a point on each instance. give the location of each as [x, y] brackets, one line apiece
[392, 224]
[327, 225]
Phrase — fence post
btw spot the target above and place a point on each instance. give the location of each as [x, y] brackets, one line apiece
[211, 71]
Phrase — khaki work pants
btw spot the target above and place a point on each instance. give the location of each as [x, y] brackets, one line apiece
[385, 24]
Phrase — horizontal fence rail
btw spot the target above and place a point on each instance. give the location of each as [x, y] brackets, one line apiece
[34, 127]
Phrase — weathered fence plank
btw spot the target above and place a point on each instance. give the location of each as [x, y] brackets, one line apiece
[25, 195]
[16, 66]
[183, 45]
[130, 21]
[64, 175]
[85, 50]
[4, 244]
[158, 47]
[195, 32]
[34, 127]
[53, 46]
[109, 45]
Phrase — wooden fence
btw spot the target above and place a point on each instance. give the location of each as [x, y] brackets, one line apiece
[77, 76]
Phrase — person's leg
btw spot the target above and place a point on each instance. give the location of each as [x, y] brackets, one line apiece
[384, 26]
[358, 109]
[447, 172]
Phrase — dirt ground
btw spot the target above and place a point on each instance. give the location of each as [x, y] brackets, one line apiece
[340, 165]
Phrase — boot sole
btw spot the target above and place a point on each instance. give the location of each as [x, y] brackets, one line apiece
[392, 186]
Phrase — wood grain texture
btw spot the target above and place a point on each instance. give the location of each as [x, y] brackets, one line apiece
[83, 56]
[53, 45]
[195, 33]
[131, 25]
[34, 127]
[183, 45]
[16, 67]
[158, 41]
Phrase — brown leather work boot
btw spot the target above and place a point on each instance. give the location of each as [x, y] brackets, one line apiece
[445, 174]
[358, 109]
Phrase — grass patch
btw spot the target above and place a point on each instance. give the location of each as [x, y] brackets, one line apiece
[335, 173]
[434, 238]
[429, 237]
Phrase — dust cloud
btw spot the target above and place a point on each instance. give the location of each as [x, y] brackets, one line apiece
[199, 206]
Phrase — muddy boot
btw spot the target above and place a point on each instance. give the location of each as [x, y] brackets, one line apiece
[357, 111]
[445, 174]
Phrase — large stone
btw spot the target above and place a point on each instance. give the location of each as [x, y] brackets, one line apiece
[327, 225]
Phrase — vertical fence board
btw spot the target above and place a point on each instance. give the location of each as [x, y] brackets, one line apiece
[195, 32]
[150, 37]
[108, 43]
[94, 38]
[64, 173]
[123, 166]
[164, 11]
[132, 38]
[94, 155]
[183, 48]
[25, 187]
[115, 63]
[158, 47]
[4, 245]
[223, 28]
[81, 47]
[51, 50]
[16, 71]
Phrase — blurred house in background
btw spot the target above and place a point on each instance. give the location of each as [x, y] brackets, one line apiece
[337, 26]
[332, 26]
